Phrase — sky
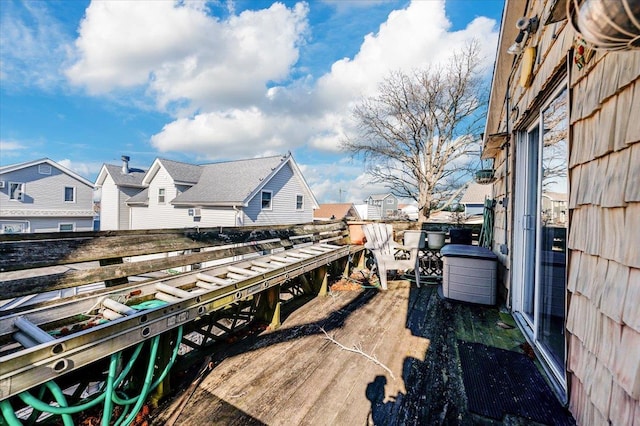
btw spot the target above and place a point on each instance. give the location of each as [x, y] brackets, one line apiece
[83, 83]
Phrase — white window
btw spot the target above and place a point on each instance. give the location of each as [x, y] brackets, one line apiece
[69, 194]
[389, 200]
[299, 202]
[66, 227]
[44, 169]
[266, 200]
[160, 195]
[16, 191]
[15, 227]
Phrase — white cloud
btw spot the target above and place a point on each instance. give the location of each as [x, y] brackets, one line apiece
[227, 82]
[34, 46]
[6, 145]
[185, 56]
[86, 170]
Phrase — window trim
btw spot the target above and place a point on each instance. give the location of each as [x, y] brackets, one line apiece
[61, 224]
[21, 187]
[162, 193]
[270, 207]
[9, 224]
[301, 208]
[42, 169]
[73, 194]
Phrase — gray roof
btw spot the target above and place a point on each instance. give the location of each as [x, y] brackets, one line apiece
[380, 196]
[133, 178]
[476, 193]
[230, 182]
[182, 172]
[141, 197]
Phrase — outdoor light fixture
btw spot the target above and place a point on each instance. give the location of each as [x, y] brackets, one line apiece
[607, 25]
[527, 26]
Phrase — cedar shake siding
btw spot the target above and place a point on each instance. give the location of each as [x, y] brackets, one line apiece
[601, 312]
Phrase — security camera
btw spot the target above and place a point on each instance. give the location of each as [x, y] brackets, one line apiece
[522, 23]
[527, 24]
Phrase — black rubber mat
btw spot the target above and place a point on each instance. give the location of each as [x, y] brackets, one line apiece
[500, 382]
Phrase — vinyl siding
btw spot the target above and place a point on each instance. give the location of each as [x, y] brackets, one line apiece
[124, 213]
[156, 215]
[166, 216]
[209, 217]
[38, 224]
[109, 205]
[43, 199]
[285, 186]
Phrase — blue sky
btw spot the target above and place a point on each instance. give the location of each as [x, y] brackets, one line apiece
[201, 81]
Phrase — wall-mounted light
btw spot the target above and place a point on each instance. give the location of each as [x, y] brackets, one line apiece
[527, 26]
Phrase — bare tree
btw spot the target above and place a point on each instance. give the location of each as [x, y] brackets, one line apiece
[417, 134]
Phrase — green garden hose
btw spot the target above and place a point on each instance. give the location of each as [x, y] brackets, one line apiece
[110, 393]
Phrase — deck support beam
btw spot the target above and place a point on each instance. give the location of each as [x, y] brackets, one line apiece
[162, 359]
[321, 280]
[268, 307]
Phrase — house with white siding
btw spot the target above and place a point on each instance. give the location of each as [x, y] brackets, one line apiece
[563, 130]
[474, 197]
[43, 196]
[257, 191]
[117, 184]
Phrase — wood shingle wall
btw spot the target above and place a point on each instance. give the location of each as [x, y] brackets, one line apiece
[603, 321]
[603, 288]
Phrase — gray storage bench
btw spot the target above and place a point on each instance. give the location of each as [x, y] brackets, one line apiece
[469, 273]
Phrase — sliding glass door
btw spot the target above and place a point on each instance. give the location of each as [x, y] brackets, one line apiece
[540, 231]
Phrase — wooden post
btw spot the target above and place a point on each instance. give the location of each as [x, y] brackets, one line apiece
[321, 280]
[162, 359]
[307, 288]
[359, 259]
[347, 267]
[268, 307]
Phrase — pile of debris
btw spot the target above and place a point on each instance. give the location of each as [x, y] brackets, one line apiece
[359, 279]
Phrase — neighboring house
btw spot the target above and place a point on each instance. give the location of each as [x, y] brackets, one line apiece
[554, 208]
[43, 196]
[362, 210]
[259, 191]
[382, 206]
[336, 211]
[473, 198]
[409, 210]
[117, 184]
[562, 127]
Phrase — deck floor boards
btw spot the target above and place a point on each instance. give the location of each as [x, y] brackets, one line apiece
[295, 375]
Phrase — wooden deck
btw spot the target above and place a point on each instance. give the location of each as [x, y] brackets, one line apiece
[296, 375]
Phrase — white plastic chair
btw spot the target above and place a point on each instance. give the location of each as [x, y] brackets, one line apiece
[388, 254]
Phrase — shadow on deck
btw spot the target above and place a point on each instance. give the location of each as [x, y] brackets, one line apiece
[297, 375]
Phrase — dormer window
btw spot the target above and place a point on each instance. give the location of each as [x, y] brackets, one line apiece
[16, 191]
[161, 195]
[266, 200]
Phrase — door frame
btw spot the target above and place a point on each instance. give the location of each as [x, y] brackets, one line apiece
[522, 185]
